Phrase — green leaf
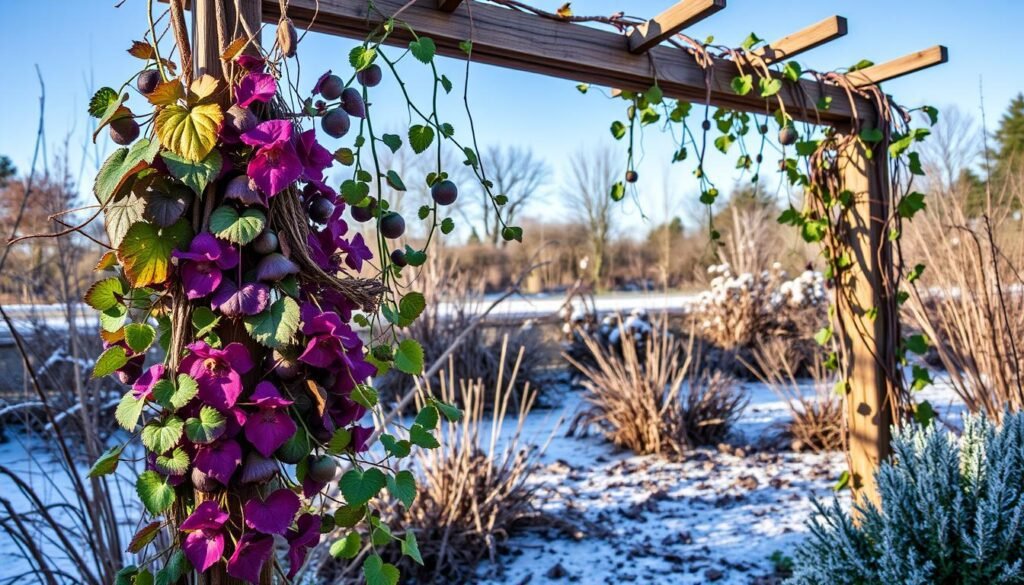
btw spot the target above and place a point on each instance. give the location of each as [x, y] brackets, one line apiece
[189, 131]
[395, 447]
[924, 414]
[862, 64]
[447, 225]
[174, 570]
[364, 395]
[377, 572]
[207, 427]
[154, 492]
[618, 191]
[121, 165]
[226, 223]
[421, 437]
[420, 137]
[654, 95]
[508, 234]
[792, 71]
[446, 84]
[916, 273]
[427, 417]
[145, 251]
[743, 84]
[339, 441]
[276, 326]
[403, 487]
[101, 100]
[395, 181]
[582, 87]
[423, 49]
[120, 214]
[411, 306]
[160, 436]
[910, 204]
[106, 294]
[107, 462]
[751, 40]
[195, 174]
[348, 547]
[769, 87]
[450, 412]
[871, 135]
[922, 378]
[360, 487]
[823, 335]
[139, 336]
[466, 47]
[128, 411]
[410, 548]
[409, 357]
[111, 360]
[917, 344]
[393, 141]
[174, 464]
[204, 320]
[349, 516]
[842, 482]
[932, 113]
[361, 57]
[618, 129]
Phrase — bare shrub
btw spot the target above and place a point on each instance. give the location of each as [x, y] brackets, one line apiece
[654, 397]
[969, 300]
[817, 416]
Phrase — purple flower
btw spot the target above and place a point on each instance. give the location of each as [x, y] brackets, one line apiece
[143, 387]
[204, 544]
[206, 258]
[255, 87]
[303, 537]
[356, 251]
[361, 438]
[233, 301]
[315, 158]
[271, 426]
[218, 372]
[251, 62]
[219, 459]
[275, 164]
[251, 553]
[273, 515]
[329, 337]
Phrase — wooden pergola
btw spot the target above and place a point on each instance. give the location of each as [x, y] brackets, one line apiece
[528, 42]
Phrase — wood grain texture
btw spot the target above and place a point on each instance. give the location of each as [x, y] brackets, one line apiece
[681, 15]
[899, 67]
[448, 5]
[804, 40]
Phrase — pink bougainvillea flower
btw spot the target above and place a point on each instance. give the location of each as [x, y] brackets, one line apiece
[273, 515]
[303, 537]
[255, 87]
[251, 299]
[275, 164]
[271, 426]
[218, 372]
[219, 459]
[251, 553]
[204, 544]
[203, 263]
[143, 387]
[315, 158]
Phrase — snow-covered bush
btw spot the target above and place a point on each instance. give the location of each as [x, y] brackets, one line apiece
[952, 512]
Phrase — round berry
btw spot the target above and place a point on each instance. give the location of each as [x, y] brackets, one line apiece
[265, 243]
[331, 87]
[788, 136]
[322, 469]
[124, 131]
[632, 176]
[320, 210]
[444, 192]
[398, 258]
[392, 225]
[370, 76]
[365, 213]
[352, 102]
[706, 125]
[147, 81]
[336, 123]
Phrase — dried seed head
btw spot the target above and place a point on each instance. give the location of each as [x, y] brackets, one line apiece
[287, 38]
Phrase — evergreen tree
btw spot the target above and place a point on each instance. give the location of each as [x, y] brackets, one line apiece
[1009, 137]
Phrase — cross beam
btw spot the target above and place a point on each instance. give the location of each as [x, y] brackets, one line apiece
[526, 42]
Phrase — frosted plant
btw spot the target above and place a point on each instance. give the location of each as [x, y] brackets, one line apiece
[952, 512]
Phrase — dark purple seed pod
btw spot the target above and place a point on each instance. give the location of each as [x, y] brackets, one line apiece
[203, 482]
[265, 243]
[124, 131]
[320, 210]
[365, 213]
[331, 87]
[240, 119]
[147, 81]
[371, 76]
[444, 192]
[392, 225]
[352, 102]
[322, 469]
[398, 258]
[275, 267]
[336, 123]
[258, 469]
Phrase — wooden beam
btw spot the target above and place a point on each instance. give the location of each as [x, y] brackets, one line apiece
[448, 5]
[526, 42]
[683, 14]
[804, 40]
[899, 67]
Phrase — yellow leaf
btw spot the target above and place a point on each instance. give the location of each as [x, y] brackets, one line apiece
[565, 11]
[202, 88]
[234, 49]
[145, 251]
[142, 50]
[189, 132]
[166, 93]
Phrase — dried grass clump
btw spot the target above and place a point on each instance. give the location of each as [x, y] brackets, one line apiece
[817, 423]
[655, 398]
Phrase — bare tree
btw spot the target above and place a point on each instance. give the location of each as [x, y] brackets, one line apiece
[952, 148]
[517, 173]
[588, 194]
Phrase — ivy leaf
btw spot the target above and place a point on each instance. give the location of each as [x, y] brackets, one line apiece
[174, 464]
[348, 547]
[160, 436]
[377, 572]
[360, 487]
[423, 49]
[154, 492]
[871, 135]
[275, 326]
[393, 141]
[924, 414]
[742, 84]
[207, 427]
[364, 395]
[128, 411]
[340, 441]
[921, 378]
[145, 251]
[107, 462]
[345, 156]
[403, 487]
[349, 516]
[111, 360]
[226, 223]
[618, 130]
[409, 357]
[769, 87]
[361, 57]
[101, 100]
[106, 294]
[174, 570]
[421, 437]
[420, 137]
[195, 174]
[190, 132]
[139, 336]
[917, 344]
[204, 320]
[823, 335]
[792, 71]
[121, 165]
[910, 204]
[450, 412]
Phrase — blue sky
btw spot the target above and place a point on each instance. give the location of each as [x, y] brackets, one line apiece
[80, 44]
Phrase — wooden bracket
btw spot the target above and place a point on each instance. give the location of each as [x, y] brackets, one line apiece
[671, 21]
[904, 65]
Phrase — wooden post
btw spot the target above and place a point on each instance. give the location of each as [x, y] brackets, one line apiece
[867, 315]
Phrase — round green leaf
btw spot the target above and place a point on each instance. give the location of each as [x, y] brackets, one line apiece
[154, 492]
[226, 223]
[276, 325]
[139, 336]
[110, 361]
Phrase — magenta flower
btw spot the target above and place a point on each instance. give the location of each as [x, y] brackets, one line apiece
[329, 337]
[219, 459]
[356, 252]
[218, 372]
[273, 515]
[255, 87]
[251, 553]
[315, 158]
[143, 387]
[275, 164]
[303, 537]
[233, 301]
[204, 544]
[206, 258]
[271, 426]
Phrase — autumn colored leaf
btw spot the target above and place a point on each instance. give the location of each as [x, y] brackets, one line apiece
[202, 89]
[565, 11]
[145, 251]
[234, 49]
[189, 132]
[166, 93]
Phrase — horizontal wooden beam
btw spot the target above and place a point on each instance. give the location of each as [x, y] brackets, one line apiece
[527, 42]
[899, 67]
[683, 14]
[804, 40]
[448, 5]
